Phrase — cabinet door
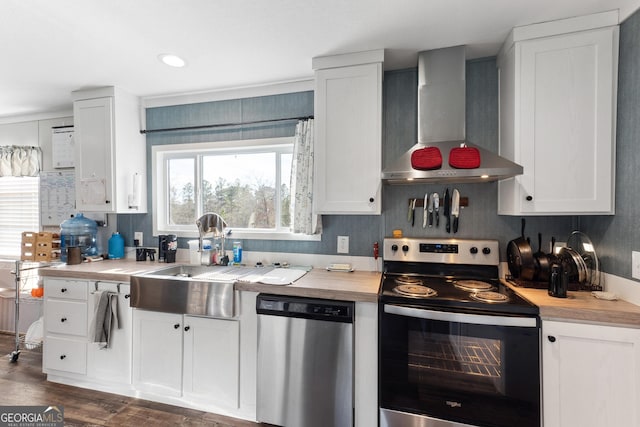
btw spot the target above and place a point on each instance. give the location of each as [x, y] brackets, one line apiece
[564, 95]
[157, 352]
[347, 148]
[112, 363]
[211, 361]
[93, 125]
[591, 375]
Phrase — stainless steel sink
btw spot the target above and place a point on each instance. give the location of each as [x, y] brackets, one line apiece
[186, 289]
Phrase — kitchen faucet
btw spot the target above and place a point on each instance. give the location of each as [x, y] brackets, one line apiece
[211, 223]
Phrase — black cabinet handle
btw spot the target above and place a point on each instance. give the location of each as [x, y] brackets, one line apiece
[107, 201]
[127, 296]
[186, 328]
[63, 356]
[371, 199]
[551, 338]
[529, 198]
[63, 290]
[64, 319]
[176, 326]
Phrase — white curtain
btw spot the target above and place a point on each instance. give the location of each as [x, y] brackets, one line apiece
[17, 160]
[304, 221]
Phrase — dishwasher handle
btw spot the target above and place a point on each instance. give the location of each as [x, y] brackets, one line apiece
[305, 308]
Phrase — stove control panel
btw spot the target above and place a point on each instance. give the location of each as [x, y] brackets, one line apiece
[452, 251]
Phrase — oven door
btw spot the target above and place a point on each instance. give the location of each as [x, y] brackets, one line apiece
[476, 369]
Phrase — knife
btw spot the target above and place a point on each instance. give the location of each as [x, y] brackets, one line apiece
[436, 207]
[413, 212]
[447, 210]
[428, 204]
[410, 211]
[455, 209]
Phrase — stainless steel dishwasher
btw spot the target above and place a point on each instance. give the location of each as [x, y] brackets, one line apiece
[305, 361]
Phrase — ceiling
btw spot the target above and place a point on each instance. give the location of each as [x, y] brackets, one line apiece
[51, 48]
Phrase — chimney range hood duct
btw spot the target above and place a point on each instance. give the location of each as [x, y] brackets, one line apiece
[441, 123]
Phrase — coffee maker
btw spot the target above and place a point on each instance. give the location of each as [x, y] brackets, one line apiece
[167, 247]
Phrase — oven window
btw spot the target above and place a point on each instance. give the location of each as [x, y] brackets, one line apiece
[464, 372]
[461, 362]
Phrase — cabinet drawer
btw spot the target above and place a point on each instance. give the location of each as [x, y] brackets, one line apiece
[66, 317]
[67, 289]
[65, 355]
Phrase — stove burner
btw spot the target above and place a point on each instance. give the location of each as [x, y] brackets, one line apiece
[473, 285]
[407, 280]
[416, 291]
[490, 297]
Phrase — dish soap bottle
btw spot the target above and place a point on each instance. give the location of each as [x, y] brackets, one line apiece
[116, 246]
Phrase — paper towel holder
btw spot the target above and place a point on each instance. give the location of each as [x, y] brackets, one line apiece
[134, 197]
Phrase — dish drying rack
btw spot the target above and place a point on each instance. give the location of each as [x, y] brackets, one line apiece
[25, 273]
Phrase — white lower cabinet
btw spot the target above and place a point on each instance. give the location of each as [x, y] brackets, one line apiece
[591, 375]
[194, 358]
[68, 349]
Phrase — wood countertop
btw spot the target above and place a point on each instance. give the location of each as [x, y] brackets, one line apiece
[581, 306]
[111, 270]
[358, 286]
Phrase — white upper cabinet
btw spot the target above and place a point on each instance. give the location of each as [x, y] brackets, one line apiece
[348, 133]
[558, 86]
[110, 152]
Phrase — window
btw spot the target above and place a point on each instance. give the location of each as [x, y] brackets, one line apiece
[246, 182]
[19, 211]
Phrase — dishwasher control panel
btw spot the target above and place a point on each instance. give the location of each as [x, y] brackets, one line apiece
[307, 308]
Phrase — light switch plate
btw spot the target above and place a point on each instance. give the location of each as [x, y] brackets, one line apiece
[137, 235]
[635, 264]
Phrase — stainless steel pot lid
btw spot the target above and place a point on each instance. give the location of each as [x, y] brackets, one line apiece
[583, 246]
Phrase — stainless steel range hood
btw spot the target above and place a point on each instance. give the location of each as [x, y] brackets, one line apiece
[441, 123]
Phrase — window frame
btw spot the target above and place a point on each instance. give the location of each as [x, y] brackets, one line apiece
[160, 155]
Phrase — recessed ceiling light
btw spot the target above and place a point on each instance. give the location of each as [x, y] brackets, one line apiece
[172, 60]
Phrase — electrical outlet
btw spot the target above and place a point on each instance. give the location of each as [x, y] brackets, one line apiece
[343, 244]
[635, 264]
[137, 235]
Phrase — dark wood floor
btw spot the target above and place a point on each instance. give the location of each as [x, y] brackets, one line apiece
[23, 383]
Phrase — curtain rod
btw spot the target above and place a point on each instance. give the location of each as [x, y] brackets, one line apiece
[145, 131]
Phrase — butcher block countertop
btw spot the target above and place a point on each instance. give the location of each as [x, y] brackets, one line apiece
[581, 306]
[110, 270]
[358, 286]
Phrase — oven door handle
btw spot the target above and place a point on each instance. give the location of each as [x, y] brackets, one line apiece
[476, 319]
